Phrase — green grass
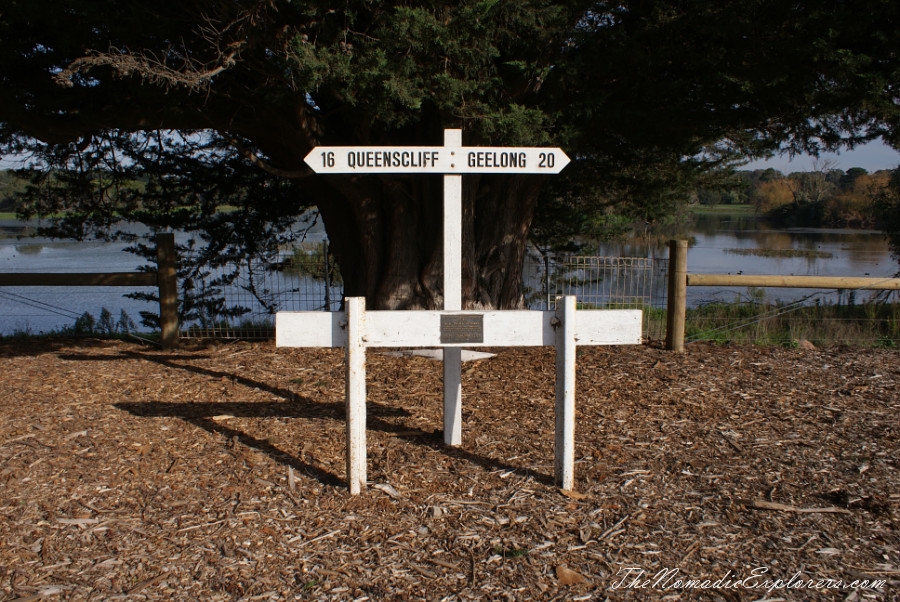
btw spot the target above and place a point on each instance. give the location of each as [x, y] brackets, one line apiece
[755, 321]
[223, 329]
[752, 320]
[729, 209]
[107, 326]
[865, 325]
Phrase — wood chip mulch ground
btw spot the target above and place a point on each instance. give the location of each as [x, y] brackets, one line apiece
[216, 473]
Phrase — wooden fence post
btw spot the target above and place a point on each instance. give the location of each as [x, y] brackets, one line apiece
[168, 290]
[677, 302]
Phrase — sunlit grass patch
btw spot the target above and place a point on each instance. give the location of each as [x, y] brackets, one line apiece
[782, 253]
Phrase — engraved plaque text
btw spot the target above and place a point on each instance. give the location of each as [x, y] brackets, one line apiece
[462, 329]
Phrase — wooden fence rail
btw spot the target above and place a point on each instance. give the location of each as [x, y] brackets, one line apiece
[679, 280]
[164, 278]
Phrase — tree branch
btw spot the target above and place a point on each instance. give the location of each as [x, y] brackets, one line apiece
[153, 70]
[265, 165]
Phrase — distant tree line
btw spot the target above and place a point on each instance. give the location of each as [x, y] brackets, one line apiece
[11, 188]
[212, 104]
[825, 197]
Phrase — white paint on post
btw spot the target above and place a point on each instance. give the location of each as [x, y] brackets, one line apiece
[310, 329]
[355, 329]
[453, 231]
[356, 393]
[453, 395]
[505, 328]
[453, 293]
[451, 158]
[565, 393]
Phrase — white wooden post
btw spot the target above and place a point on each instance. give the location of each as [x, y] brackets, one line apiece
[453, 293]
[355, 329]
[356, 393]
[565, 393]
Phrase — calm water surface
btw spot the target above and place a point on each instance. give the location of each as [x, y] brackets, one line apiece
[716, 242]
[37, 310]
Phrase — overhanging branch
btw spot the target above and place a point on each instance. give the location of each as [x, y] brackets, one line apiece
[265, 165]
[152, 69]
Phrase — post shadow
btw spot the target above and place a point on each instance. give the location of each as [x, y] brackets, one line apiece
[293, 406]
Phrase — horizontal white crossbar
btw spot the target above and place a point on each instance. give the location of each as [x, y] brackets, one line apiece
[509, 328]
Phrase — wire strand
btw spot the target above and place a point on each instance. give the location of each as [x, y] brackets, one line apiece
[34, 303]
[773, 313]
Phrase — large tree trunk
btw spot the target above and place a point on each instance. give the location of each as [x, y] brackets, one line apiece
[386, 234]
[386, 231]
[496, 220]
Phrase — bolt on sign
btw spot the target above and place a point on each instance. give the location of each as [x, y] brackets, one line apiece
[356, 329]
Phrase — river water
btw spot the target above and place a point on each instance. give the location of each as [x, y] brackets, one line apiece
[745, 244]
[717, 244]
[44, 309]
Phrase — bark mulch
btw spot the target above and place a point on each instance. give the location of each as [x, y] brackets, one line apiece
[216, 473]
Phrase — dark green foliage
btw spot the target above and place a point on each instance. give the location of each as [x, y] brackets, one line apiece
[887, 208]
[165, 112]
[87, 325]
[173, 182]
[311, 260]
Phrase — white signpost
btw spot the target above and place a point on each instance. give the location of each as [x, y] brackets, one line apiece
[451, 329]
[452, 158]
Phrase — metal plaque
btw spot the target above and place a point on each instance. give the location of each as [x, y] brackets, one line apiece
[462, 329]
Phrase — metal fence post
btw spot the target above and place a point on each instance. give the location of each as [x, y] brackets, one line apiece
[168, 290]
[547, 277]
[327, 267]
[677, 302]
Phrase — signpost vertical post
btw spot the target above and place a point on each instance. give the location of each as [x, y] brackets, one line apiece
[451, 328]
[453, 294]
[565, 393]
[356, 393]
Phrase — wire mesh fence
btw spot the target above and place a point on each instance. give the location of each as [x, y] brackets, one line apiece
[234, 300]
[241, 300]
[819, 317]
[604, 283]
[305, 278]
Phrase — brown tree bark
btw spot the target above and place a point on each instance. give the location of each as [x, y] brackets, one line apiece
[387, 235]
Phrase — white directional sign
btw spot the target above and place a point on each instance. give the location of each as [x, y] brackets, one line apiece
[436, 159]
[356, 329]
